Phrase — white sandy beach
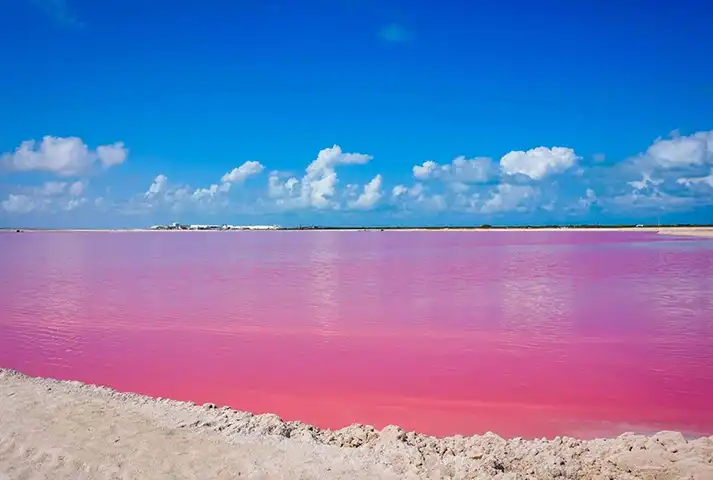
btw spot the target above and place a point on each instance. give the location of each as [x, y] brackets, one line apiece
[689, 232]
[67, 430]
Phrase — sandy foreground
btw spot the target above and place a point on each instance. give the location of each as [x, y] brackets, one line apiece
[68, 430]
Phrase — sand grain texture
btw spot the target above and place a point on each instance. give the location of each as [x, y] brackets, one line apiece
[67, 430]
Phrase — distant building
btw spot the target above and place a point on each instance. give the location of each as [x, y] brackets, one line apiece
[178, 226]
[250, 227]
[204, 227]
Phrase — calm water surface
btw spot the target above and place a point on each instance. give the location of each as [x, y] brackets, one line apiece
[522, 333]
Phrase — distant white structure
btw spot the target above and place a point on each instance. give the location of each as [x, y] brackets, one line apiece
[178, 226]
[204, 227]
[250, 227]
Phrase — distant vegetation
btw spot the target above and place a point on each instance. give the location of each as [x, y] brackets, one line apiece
[484, 226]
[498, 227]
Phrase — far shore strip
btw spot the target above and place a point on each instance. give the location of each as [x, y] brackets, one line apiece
[68, 430]
[681, 231]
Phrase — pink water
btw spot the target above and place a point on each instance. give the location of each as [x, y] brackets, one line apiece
[522, 333]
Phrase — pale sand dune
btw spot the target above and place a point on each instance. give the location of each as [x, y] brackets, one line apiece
[67, 430]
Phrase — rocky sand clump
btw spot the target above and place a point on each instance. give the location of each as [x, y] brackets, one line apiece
[264, 446]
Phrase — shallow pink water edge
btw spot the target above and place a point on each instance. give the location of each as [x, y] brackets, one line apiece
[522, 333]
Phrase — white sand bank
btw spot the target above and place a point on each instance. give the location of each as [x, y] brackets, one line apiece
[68, 430]
[688, 232]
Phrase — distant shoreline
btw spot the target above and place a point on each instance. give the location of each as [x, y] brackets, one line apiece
[696, 231]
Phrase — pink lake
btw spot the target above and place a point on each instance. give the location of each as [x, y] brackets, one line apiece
[522, 333]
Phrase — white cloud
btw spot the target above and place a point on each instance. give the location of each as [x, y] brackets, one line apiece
[674, 173]
[652, 201]
[52, 188]
[435, 202]
[319, 184]
[159, 186]
[416, 198]
[589, 199]
[426, 170]
[211, 192]
[68, 156]
[161, 191]
[467, 203]
[681, 151]
[697, 181]
[111, 155]
[400, 190]
[645, 182]
[18, 203]
[77, 188]
[370, 197]
[507, 197]
[51, 196]
[461, 170]
[203, 193]
[241, 173]
[539, 162]
[459, 187]
[74, 203]
[278, 189]
[317, 188]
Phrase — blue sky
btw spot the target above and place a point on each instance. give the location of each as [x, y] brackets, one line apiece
[350, 112]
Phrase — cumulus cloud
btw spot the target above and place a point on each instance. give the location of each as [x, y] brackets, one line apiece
[507, 197]
[77, 188]
[416, 199]
[241, 173]
[692, 182]
[460, 171]
[675, 172]
[370, 197]
[681, 151]
[50, 196]
[278, 188]
[67, 156]
[655, 200]
[75, 203]
[211, 192]
[52, 188]
[19, 203]
[159, 186]
[426, 170]
[111, 155]
[539, 162]
[589, 199]
[163, 192]
[414, 191]
[645, 182]
[317, 188]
